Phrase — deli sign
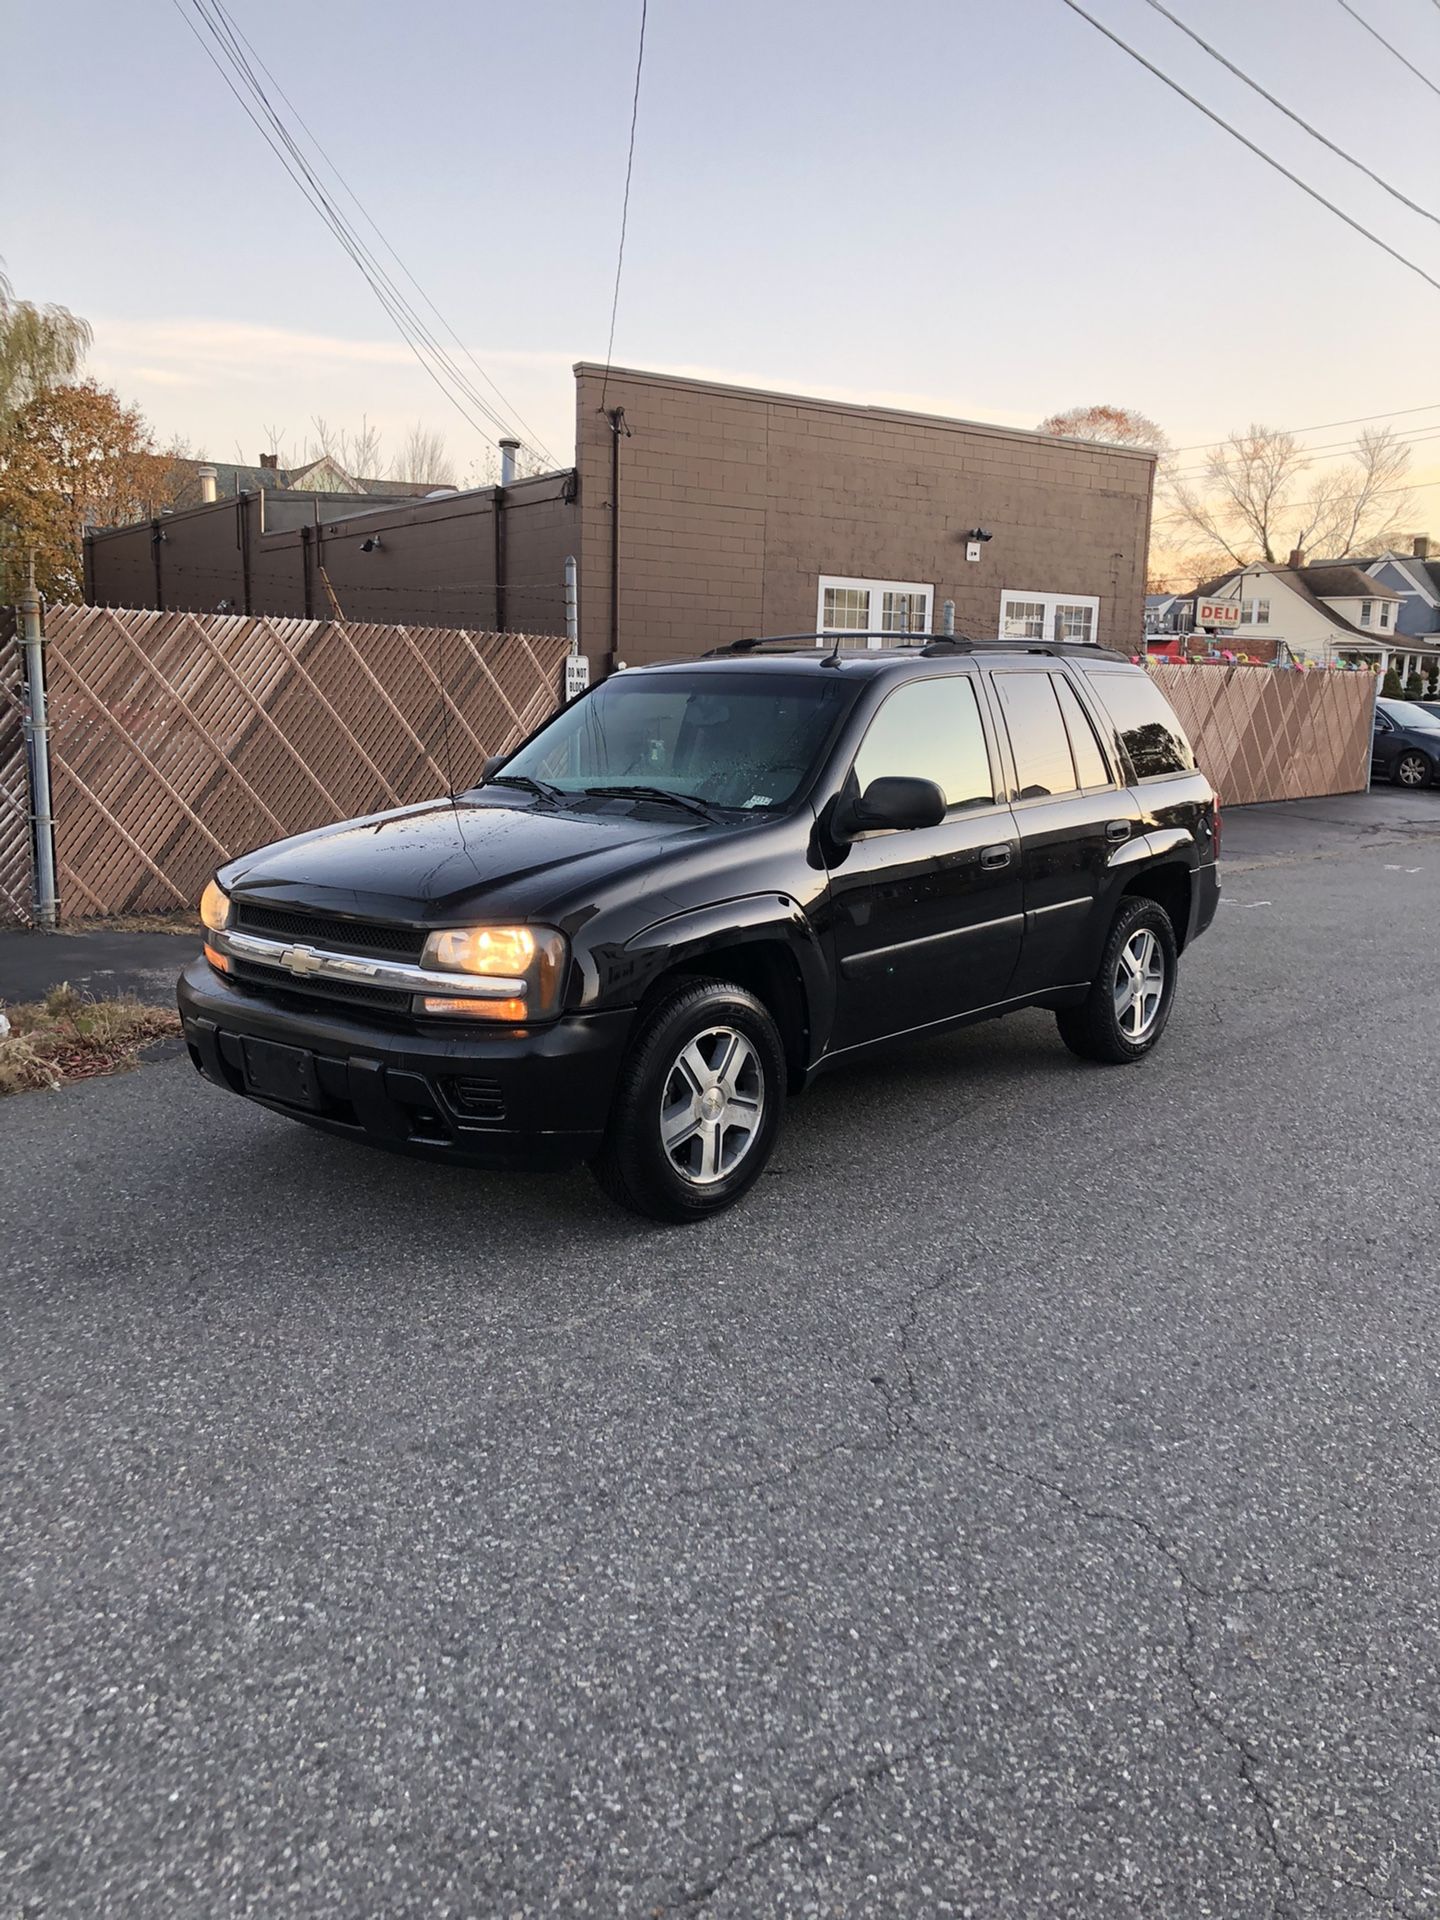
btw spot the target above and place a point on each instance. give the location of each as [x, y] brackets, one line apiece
[1217, 613]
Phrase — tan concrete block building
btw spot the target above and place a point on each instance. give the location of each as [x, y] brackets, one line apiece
[698, 514]
[721, 511]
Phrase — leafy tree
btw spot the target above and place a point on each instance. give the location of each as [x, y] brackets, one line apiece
[39, 347]
[1414, 688]
[72, 457]
[1390, 686]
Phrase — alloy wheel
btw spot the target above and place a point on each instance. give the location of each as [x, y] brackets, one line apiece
[711, 1105]
[1413, 770]
[1139, 984]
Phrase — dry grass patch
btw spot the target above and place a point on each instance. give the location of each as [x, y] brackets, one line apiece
[66, 1037]
[183, 920]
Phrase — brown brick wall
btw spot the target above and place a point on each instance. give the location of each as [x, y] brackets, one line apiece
[732, 504]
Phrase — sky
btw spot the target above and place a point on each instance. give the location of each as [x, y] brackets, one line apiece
[982, 210]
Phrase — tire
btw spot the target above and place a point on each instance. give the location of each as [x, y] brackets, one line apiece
[1412, 770]
[1098, 1029]
[707, 1060]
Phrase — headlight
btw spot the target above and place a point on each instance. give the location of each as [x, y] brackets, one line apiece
[525, 964]
[214, 908]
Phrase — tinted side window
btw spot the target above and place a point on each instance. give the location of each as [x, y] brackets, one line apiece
[1037, 734]
[1089, 760]
[930, 730]
[1145, 721]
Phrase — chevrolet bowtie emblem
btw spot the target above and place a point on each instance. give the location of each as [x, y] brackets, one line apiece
[301, 960]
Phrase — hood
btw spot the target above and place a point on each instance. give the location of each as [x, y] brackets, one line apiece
[437, 861]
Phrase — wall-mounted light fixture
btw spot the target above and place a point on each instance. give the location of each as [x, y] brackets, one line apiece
[372, 545]
[973, 540]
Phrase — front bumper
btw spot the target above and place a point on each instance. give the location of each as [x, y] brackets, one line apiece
[536, 1096]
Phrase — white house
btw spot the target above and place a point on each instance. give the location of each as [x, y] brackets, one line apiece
[1324, 614]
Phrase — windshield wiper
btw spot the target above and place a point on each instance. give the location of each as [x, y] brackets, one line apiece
[686, 800]
[542, 788]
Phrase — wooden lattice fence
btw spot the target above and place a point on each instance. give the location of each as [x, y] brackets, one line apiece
[179, 739]
[1266, 733]
[16, 863]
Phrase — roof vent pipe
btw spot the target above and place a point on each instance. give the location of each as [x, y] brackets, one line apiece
[209, 485]
[508, 451]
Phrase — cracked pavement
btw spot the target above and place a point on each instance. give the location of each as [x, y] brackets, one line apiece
[1024, 1505]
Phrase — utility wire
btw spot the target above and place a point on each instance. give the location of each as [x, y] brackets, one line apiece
[1259, 152]
[1334, 446]
[404, 315]
[1323, 426]
[532, 437]
[625, 203]
[1290, 114]
[1375, 31]
[412, 330]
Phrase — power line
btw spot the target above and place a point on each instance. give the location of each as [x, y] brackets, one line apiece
[1290, 114]
[427, 351]
[533, 438]
[1429, 432]
[1245, 141]
[400, 310]
[1323, 426]
[1375, 31]
[625, 203]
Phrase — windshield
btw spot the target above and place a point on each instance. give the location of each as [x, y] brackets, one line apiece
[1405, 713]
[732, 740]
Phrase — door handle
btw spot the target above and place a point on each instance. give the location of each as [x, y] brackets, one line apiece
[993, 858]
[1118, 830]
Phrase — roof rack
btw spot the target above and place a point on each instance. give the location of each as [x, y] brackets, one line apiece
[923, 644]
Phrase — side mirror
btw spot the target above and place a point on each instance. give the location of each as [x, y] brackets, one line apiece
[492, 764]
[896, 802]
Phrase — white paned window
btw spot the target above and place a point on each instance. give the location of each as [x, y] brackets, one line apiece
[1384, 613]
[873, 607]
[1049, 616]
[1367, 612]
[1075, 620]
[1255, 613]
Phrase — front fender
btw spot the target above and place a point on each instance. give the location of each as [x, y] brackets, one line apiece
[679, 939]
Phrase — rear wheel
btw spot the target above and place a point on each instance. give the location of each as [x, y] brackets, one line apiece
[698, 1106]
[1412, 770]
[1129, 1001]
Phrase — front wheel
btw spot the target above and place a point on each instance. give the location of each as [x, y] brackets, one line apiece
[698, 1105]
[1129, 1001]
[1412, 770]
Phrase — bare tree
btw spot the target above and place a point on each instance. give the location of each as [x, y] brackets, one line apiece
[423, 456]
[1255, 498]
[1116, 426]
[357, 454]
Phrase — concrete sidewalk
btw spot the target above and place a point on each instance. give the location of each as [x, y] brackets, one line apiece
[101, 963]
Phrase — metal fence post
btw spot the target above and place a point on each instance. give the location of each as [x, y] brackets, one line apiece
[37, 740]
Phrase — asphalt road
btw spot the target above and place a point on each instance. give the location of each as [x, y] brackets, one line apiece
[1025, 1505]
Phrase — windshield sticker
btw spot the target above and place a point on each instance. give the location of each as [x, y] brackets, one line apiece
[758, 800]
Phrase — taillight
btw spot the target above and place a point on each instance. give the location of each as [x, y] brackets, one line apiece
[1215, 825]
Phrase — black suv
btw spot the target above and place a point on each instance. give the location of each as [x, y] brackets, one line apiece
[699, 885]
